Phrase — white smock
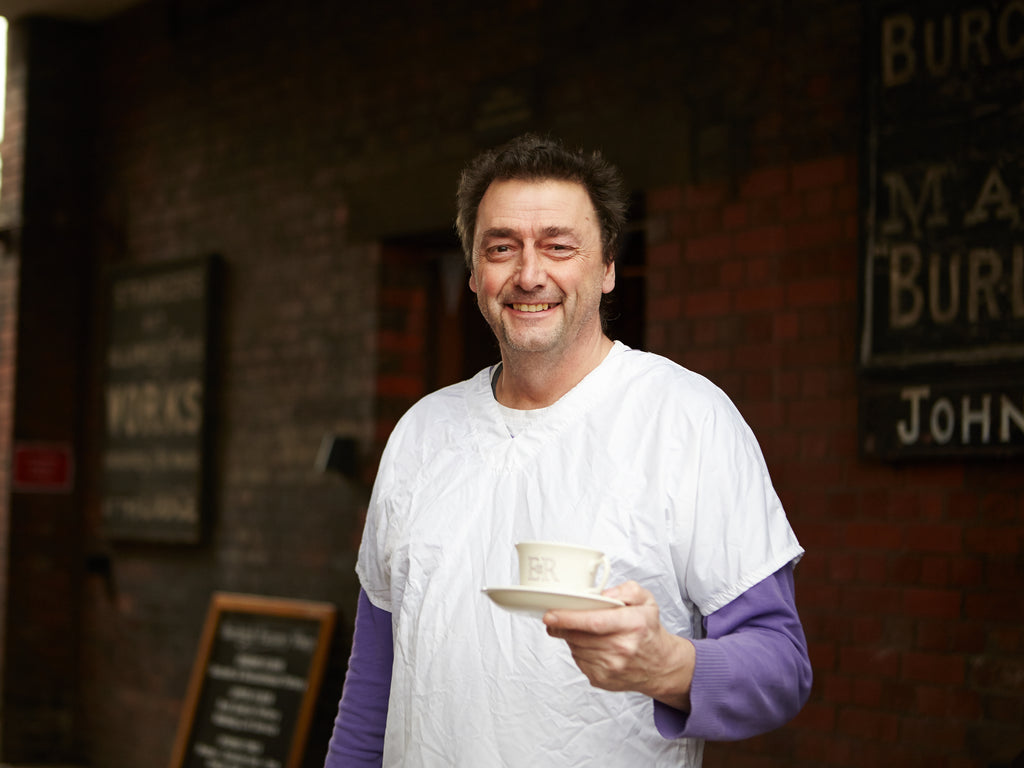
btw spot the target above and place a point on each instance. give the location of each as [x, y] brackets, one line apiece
[643, 459]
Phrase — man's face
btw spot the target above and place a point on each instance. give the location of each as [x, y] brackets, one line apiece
[538, 271]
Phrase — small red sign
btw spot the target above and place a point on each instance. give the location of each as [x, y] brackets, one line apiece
[42, 468]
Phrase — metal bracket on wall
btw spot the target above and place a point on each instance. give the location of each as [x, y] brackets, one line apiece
[338, 454]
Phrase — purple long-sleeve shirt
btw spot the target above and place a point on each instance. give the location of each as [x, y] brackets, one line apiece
[752, 674]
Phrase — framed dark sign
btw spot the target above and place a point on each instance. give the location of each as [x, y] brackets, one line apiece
[254, 683]
[156, 400]
[944, 233]
[951, 416]
[942, 270]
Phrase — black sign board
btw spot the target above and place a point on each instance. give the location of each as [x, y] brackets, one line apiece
[156, 393]
[925, 416]
[942, 281]
[254, 683]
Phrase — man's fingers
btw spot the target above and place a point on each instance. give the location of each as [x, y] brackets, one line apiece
[562, 623]
[630, 593]
[603, 621]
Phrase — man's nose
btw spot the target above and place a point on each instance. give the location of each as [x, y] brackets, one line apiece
[531, 272]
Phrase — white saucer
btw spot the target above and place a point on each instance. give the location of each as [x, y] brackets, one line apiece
[536, 600]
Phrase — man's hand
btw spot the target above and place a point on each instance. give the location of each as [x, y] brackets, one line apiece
[628, 649]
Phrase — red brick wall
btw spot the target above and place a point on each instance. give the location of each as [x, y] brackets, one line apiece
[912, 589]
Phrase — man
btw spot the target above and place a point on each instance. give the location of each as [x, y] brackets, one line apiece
[575, 438]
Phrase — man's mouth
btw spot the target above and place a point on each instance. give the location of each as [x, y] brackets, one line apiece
[531, 307]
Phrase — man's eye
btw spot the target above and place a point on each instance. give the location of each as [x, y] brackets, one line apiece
[498, 251]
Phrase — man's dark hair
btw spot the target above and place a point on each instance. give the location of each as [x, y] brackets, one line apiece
[533, 158]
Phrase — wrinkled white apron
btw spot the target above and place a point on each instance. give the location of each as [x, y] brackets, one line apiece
[644, 460]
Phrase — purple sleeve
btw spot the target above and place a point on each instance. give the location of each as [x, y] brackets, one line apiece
[358, 738]
[752, 671]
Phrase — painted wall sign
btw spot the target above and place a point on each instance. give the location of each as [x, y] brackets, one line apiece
[156, 401]
[922, 417]
[254, 683]
[942, 282]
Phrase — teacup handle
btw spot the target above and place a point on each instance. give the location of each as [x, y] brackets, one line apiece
[604, 577]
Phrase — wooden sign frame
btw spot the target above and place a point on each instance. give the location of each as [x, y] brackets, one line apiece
[254, 610]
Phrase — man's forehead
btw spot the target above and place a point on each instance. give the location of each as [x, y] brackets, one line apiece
[545, 203]
[535, 186]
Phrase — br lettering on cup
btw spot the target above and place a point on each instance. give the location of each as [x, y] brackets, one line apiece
[562, 567]
[542, 569]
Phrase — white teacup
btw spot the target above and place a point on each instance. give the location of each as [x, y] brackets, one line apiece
[561, 567]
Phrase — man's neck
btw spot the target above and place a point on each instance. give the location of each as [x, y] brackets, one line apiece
[531, 380]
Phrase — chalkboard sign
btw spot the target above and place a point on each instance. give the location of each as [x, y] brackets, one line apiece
[254, 683]
[156, 397]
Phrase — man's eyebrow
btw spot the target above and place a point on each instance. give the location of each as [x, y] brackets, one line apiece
[556, 231]
[498, 232]
[551, 231]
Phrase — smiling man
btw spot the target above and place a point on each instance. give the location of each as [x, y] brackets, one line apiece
[571, 437]
[539, 272]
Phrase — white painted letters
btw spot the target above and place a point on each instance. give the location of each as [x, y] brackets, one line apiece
[994, 193]
[150, 409]
[975, 38]
[937, 420]
[902, 202]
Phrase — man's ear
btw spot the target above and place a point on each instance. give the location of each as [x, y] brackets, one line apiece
[472, 282]
[608, 283]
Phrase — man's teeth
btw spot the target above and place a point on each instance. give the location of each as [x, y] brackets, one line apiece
[530, 307]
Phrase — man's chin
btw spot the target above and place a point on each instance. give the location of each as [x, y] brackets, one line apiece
[530, 342]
